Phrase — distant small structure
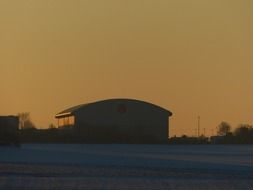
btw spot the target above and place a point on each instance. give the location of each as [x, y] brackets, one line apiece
[9, 130]
[188, 140]
[117, 120]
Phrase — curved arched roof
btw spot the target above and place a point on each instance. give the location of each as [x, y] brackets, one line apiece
[71, 110]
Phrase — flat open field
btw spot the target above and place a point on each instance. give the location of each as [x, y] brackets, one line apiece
[119, 166]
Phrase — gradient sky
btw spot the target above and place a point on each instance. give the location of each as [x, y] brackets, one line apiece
[193, 57]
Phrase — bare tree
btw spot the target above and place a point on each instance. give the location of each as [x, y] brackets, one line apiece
[25, 121]
[223, 128]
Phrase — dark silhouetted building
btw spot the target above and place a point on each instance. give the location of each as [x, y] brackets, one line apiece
[9, 130]
[117, 120]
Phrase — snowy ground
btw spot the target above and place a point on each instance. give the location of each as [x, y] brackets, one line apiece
[97, 166]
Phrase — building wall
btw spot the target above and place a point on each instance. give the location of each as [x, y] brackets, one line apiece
[132, 120]
[9, 129]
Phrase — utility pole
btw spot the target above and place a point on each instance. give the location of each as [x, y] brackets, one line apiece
[198, 125]
[204, 132]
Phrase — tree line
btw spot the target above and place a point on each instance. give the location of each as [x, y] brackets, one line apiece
[243, 134]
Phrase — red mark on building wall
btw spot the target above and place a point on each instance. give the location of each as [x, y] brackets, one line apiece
[122, 108]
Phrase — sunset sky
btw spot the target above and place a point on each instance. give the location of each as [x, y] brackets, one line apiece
[192, 57]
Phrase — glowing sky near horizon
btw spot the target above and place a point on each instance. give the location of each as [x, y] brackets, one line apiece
[191, 57]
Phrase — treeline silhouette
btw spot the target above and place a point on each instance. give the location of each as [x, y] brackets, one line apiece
[243, 134]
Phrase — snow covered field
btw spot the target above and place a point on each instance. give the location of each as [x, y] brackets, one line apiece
[119, 166]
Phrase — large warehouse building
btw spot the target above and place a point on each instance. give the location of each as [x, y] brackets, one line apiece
[117, 120]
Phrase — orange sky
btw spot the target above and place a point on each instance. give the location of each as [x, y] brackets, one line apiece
[191, 57]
